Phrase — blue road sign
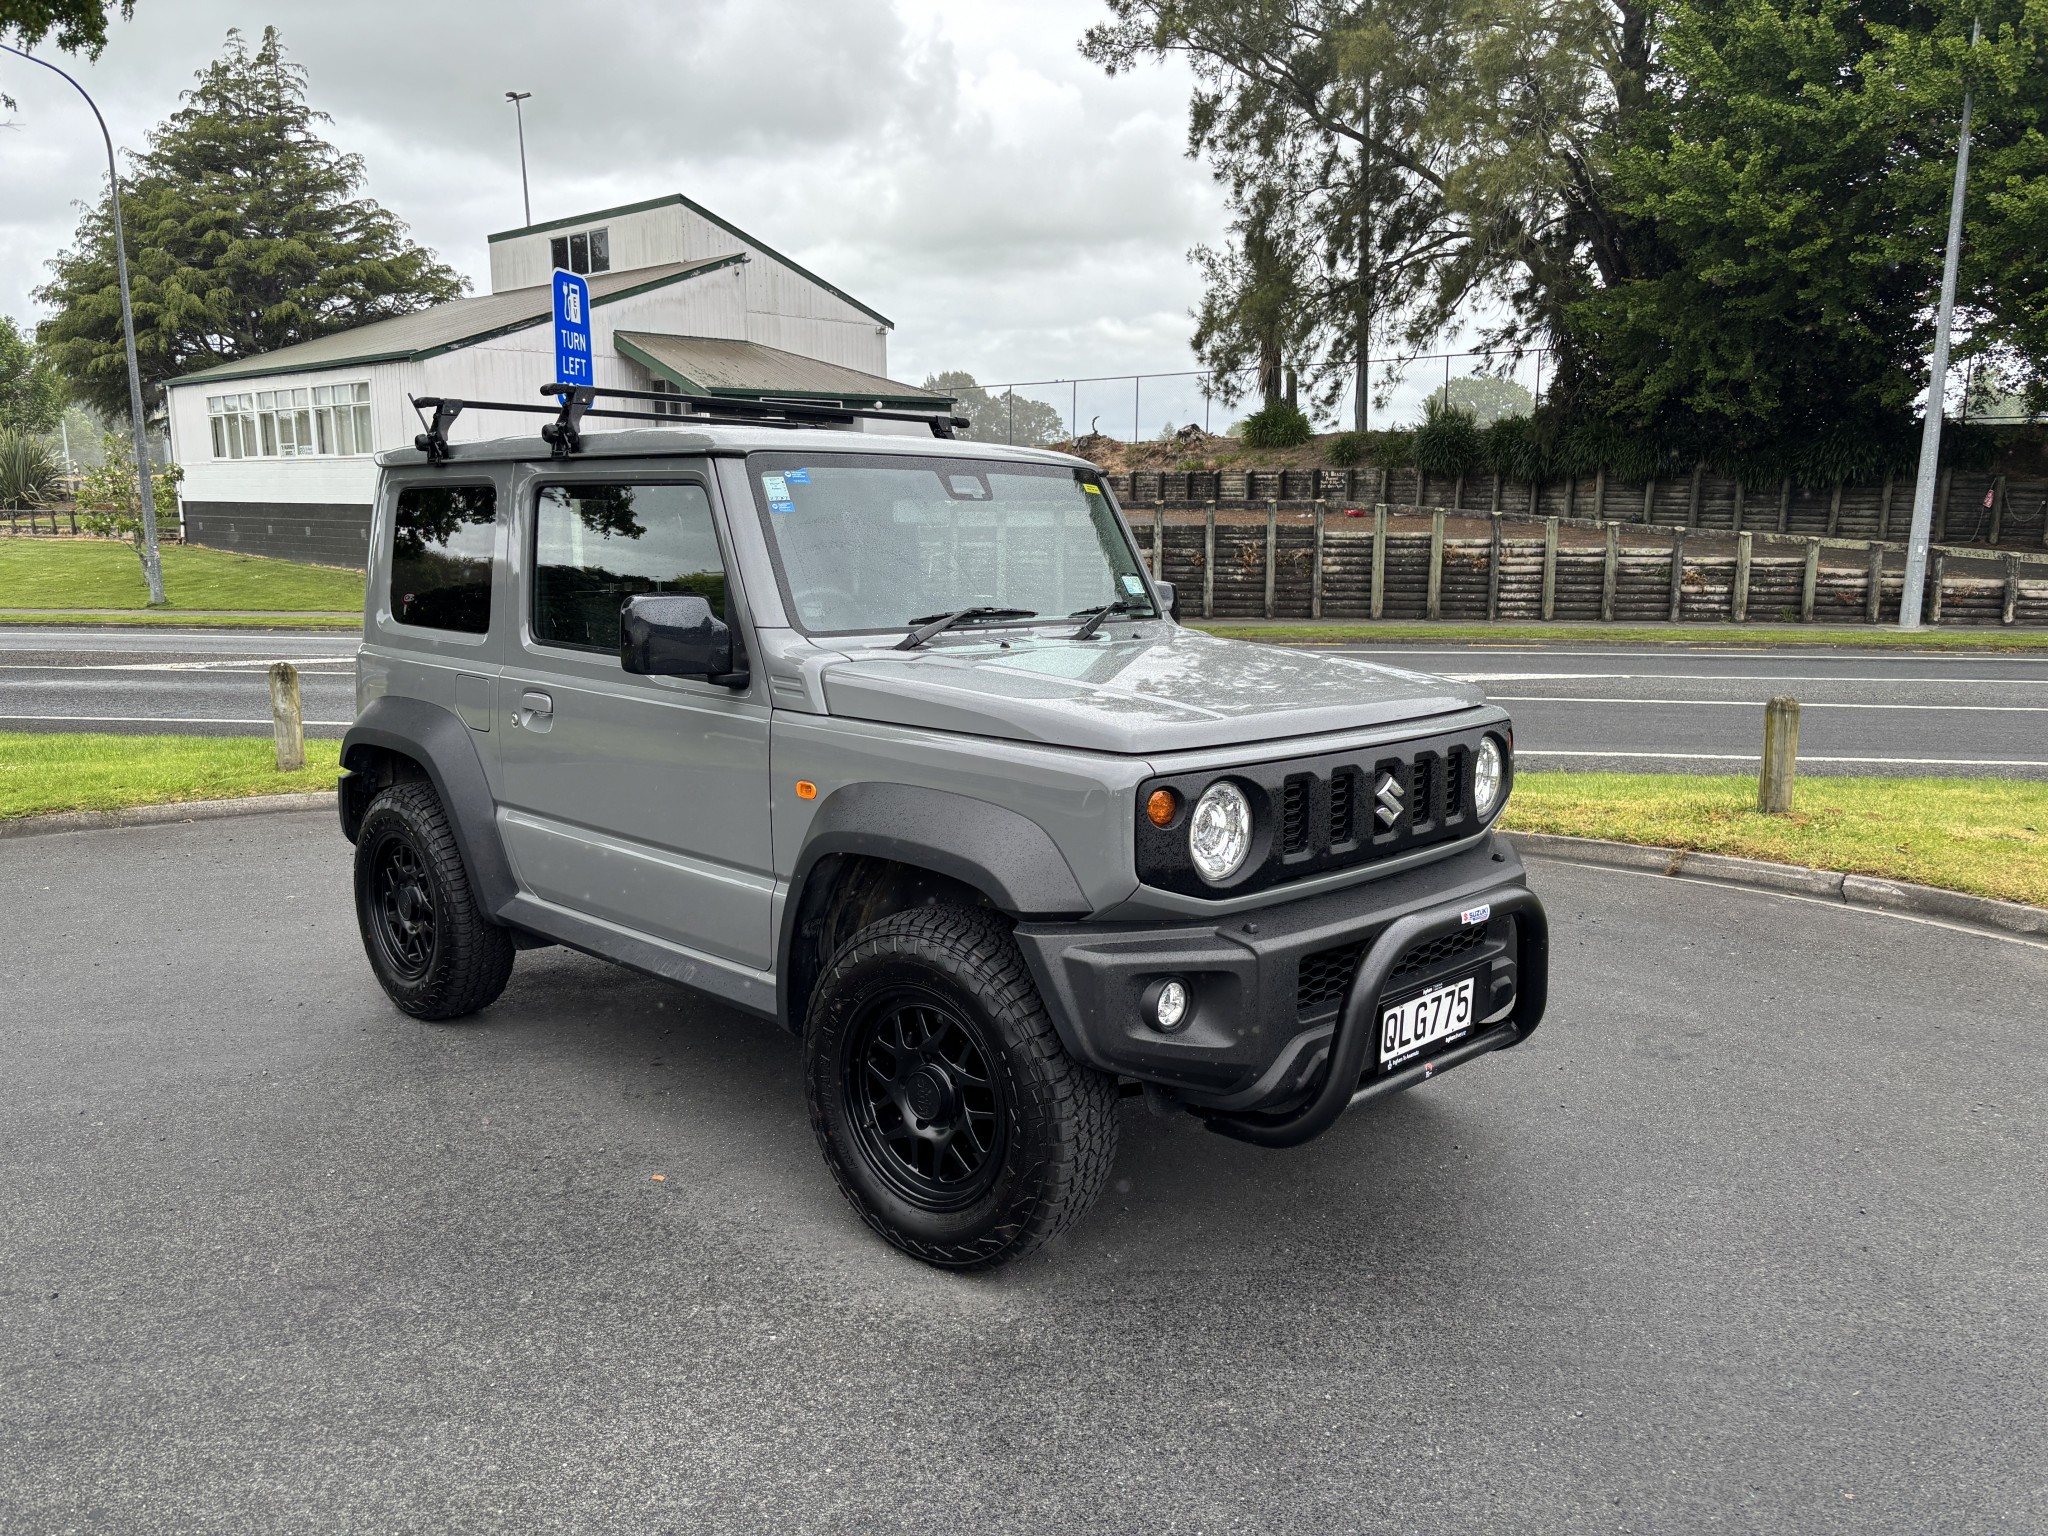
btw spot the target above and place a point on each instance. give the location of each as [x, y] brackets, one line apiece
[572, 329]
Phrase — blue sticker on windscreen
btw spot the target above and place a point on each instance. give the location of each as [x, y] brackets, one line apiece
[797, 476]
[781, 506]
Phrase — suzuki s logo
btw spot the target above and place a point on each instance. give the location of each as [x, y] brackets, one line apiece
[1391, 799]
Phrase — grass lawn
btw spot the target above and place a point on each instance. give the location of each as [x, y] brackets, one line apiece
[1988, 837]
[105, 573]
[1737, 636]
[78, 772]
[171, 618]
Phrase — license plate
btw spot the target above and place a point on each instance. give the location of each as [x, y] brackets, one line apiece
[1406, 1029]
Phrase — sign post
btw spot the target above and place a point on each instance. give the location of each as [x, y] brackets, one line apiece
[572, 330]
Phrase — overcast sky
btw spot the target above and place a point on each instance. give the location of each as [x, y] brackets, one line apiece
[959, 167]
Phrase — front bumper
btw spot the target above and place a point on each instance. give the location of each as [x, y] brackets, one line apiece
[1286, 999]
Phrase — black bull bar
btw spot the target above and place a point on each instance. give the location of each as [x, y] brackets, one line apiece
[1358, 1025]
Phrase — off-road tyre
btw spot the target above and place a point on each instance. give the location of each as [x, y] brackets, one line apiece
[432, 949]
[1047, 1131]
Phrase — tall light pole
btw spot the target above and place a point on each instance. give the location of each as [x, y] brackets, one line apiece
[152, 561]
[519, 114]
[1937, 378]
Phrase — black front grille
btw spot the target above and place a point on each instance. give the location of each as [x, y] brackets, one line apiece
[1294, 813]
[1324, 977]
[1436, 952]
[1321, 813]
[1343, 805]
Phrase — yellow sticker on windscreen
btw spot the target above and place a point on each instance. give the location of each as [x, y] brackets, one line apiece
[1092, 490]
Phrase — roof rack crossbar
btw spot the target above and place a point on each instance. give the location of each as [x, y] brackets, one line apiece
[575, 402]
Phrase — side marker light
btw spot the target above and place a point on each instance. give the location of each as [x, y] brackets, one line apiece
[806, 790]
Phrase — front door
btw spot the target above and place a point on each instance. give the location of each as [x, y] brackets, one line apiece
[641, 801]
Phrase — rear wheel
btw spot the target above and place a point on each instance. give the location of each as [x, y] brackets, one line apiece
[946, 1108]
[432, 949]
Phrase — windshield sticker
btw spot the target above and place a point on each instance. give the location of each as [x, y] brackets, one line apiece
[1133, 585]
[777, 487]
[1090, 488]
[797, 476]
[781, 506]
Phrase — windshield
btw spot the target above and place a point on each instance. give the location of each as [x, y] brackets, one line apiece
[876, 542]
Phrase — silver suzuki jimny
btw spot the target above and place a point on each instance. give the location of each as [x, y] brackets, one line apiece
[893, 739]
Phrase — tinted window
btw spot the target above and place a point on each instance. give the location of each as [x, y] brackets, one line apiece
[597, 545]
[441, 557]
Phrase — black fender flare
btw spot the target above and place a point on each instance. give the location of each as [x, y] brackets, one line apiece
[441, 744]
[1005, 855]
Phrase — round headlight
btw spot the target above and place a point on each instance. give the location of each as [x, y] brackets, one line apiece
[1220, 832]
[1489, 775]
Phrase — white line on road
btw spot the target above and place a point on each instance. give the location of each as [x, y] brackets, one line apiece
[157, 720]
[1980, 709]
[235, 664]
[1739, 677]
[1804, 757]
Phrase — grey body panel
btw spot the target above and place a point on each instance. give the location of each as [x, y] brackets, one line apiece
[1146, 688]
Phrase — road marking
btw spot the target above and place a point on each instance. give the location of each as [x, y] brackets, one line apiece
[1804, 757]
[233, 664]
[1554, 655]
[160, 720]
[1982, 709]
[1747, 677]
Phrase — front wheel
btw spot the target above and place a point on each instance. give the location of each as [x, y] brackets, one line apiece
[947, 1110]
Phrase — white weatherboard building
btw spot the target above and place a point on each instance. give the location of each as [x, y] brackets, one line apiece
[277, 449]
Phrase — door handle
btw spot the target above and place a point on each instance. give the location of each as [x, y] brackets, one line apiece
[536, 710]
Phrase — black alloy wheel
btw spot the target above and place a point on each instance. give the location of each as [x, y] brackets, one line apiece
[403, 898]
[433, 950]
[948, 1111]
[924, 1100]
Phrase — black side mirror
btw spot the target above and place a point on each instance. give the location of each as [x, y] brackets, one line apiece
[1167, 598]
[664, 635]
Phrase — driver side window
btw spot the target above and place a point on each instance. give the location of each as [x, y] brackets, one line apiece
[595, 545]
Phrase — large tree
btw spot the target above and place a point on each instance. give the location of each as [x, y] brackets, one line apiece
[1315, 115]
[80, 26]
[246, 233]
[1789, 205]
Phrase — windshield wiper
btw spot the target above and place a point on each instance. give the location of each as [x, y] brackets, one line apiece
[938, 623]
[1095, 616]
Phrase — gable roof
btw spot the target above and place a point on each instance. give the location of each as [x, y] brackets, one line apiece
[717, 365]
[446, 327]
[677, 200]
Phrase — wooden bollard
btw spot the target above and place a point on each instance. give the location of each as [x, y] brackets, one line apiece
[287, 719]
[1781, 756]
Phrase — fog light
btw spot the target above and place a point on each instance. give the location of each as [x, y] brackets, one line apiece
[1165, 1005]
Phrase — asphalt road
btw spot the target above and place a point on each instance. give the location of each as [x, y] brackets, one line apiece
[1622, 708]
[206, 683]
[1749, 1237]
[1655, 709]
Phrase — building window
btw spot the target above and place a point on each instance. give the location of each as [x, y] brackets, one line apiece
[329, 421]
[665, 407]
[588, 252]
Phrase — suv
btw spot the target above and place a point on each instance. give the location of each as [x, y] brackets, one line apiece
[893, 740]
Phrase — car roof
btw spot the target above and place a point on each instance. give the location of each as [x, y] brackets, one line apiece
[696, 441]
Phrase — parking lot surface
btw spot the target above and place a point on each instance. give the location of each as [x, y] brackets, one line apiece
[1749, 1237]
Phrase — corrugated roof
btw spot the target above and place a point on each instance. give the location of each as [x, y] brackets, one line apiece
[716, 365]
[445, 327]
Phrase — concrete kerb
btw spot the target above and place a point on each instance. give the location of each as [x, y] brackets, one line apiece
[165, 815]
[1794, 879]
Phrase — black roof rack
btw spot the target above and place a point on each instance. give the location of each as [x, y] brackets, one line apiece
[576, 401]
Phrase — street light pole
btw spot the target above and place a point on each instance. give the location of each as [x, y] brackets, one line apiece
[1937, 378]
[152, 561]
[519, 114]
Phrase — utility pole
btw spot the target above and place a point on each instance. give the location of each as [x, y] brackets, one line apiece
[519, 116]
[152, 560]
[1937, 376]
[1361, 413]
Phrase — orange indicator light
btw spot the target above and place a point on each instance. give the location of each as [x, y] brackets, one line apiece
[1162, 807]
[806, 790]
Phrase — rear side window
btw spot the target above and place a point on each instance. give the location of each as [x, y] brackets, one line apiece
[441, 557]
[597, 545]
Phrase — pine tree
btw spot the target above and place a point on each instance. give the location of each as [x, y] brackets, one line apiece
[246, 233]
